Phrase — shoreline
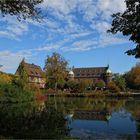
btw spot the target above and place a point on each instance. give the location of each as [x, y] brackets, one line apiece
[96, 95]
[76, 95]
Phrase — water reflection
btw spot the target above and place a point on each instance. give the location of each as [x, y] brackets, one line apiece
[85, 118]
[32, 120]
[101, 118]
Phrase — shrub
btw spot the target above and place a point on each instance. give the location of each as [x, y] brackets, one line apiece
[119, 80]
[113, 88]
[12, 93]
[100, 84]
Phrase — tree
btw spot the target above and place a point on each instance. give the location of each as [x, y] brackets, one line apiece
[129, 24]
[72, 85]
[5, 78]
[100, 84]
[119, 80]
[22, 78]
[113, 88]
[21, 8]
[56, 68]
[133, 77]
[76, 86]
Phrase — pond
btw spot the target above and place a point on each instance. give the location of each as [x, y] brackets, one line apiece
[61, 117]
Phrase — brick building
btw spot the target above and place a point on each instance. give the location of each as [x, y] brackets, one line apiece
[94, 74]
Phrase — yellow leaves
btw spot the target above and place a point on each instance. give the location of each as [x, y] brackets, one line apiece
[113, 87]
[133, 77]
[5, 78]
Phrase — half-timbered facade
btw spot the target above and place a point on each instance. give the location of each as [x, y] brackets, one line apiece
[35, 75]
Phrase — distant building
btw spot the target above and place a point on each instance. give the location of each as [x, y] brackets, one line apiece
[94, 74]
[35, 75]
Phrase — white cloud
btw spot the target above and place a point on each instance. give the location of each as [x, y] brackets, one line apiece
[108, 7]
[48, 47]
[90, 44]
[102, 26]
[96, 13]
[12, 29]
[70, 25]
[12, 59]
[9, 59]
[65, 18]
[105, 41]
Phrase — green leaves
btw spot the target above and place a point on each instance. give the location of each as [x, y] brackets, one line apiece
[23, 79]
[22, 9]
[129, 24]
[56, 68]
[119, 80]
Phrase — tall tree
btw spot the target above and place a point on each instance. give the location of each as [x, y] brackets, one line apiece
[128, 23]
[119, 80]
[21, 8]
[56, 68]
[22, 80]
[133, 77]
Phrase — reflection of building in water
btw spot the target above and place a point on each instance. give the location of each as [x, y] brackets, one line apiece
[91, 115]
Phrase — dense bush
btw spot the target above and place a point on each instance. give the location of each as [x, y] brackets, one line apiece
[12, 93]
[119, 80]
[112, 87]
[75, 86]
[100, 84]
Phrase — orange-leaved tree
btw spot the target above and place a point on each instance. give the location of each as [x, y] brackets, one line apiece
[133, 77]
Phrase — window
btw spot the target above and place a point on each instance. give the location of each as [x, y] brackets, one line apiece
[31, 72]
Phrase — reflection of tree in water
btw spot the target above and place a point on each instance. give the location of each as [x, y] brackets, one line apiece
[96, 109]
[24, 121]
[138, 128]
[64, 104]
[133, 106]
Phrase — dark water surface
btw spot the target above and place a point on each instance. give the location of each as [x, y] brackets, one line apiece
[59, 117]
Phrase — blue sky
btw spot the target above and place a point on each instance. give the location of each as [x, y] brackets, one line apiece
[76, 29]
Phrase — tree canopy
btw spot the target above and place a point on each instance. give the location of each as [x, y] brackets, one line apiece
[56, 68]
[5, 77]
[128, 23]
[119, 80]
[22, 80]
[133, 78]
[21, 8]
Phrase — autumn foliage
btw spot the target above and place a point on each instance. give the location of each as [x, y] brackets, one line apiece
[133, 78]
[5, 78]
[112, 87]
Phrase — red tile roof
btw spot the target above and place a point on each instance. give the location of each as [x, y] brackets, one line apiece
[33, 70]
